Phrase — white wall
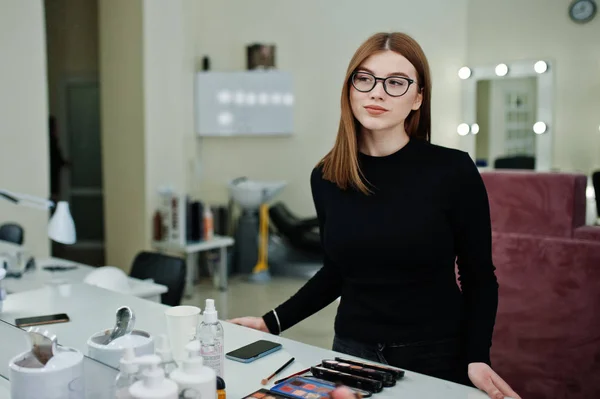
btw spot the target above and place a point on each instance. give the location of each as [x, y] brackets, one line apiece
[24, 123]
[508, 30]
[315, 41]
[142, 82]
[164, 83]
[123, 136]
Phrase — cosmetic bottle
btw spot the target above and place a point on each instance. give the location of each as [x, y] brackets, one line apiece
[211, 336]
[153, 384]
[194, 379]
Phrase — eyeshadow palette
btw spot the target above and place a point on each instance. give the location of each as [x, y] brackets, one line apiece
[387, 379]
[353, 381]
[265, 394]
[397, 373]
[304, 388]
[301, 388]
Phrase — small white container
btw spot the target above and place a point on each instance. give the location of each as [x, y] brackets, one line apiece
[141, 342]
[29, 379]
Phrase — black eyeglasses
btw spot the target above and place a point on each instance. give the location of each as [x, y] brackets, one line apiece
[394, 86]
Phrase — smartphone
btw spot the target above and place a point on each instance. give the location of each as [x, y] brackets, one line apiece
[41, 320]
[253, 351]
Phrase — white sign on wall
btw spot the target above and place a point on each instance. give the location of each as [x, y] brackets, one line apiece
[244, 103]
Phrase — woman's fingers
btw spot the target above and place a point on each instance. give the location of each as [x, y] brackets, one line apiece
[504, 387]
[488, 386]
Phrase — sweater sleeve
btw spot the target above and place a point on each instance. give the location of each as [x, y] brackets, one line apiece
[470, 218]
[322, 289]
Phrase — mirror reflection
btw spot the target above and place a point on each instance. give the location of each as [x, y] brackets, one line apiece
[506, 114]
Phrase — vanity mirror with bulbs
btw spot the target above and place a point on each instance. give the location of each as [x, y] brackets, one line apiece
[507, 114]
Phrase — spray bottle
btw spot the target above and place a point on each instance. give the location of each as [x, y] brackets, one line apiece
[153, 384]
[211, 336]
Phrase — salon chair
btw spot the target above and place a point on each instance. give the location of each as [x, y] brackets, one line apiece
[162, 269]
[12, 232]
[302, 234]
[294, 245]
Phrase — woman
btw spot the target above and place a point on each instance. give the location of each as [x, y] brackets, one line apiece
[395, 214]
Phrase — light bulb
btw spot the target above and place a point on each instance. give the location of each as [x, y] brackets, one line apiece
[474, 128]
[224, 97]
[501, 69]
[539, 127]
[288, 99]
[225, 118]
[463, 129]
[540, 66]
[464, 73]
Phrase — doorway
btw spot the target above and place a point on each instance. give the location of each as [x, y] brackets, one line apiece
[81, 183]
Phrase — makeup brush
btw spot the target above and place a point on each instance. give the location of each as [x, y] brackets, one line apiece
[265, 381]
[293, 375]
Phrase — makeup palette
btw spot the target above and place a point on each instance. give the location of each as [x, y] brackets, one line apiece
[395, 372]
[387, 379]
[364, 378]
[304, 388]
[350, 380]
[265, 394]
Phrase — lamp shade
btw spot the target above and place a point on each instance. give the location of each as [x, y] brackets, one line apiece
[61, 227]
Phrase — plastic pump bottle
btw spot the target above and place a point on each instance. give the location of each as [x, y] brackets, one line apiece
[194, 379]
[153, 384]
[212, 336]
[127, 374]
[163, 350]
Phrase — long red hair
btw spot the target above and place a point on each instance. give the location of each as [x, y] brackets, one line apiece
[341, 165]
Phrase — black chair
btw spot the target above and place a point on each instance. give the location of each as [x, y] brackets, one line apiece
[163, 269]
[12, 232]
[302, 234]
[596, 184]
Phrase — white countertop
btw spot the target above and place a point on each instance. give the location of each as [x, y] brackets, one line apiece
[39, 277]
[92, 309]
[4, 388]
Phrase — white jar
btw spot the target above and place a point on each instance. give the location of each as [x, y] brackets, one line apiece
[29, 379]
[141, 342]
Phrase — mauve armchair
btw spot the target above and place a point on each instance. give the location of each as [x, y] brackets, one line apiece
[546, 341]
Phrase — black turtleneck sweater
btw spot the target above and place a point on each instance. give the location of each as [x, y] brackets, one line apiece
[391, 255]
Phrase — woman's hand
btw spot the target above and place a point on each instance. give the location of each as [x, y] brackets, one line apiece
[255, 323]
[344, 393]
[486, 379]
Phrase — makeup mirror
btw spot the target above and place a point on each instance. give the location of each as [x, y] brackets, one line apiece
[507, 117]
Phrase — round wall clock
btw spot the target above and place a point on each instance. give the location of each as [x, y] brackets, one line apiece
[582, 11]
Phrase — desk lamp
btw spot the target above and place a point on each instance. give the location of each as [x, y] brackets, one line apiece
[61, 227]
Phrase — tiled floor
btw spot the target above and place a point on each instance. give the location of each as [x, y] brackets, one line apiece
[254, 299]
